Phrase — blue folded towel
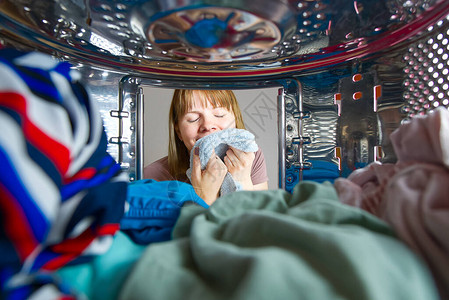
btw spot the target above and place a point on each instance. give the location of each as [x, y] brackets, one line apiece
[219, 141]
[153, 208]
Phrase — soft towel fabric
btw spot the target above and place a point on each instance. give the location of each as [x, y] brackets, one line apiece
[61, 194]
[220, 141]
[412, 194]
[153, 208]
[275, 245]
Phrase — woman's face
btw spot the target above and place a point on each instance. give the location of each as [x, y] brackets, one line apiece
[200, 121]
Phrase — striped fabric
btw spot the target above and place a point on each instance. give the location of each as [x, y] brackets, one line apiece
[61, 194]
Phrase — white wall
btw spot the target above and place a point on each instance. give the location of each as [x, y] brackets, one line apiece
[259, 111]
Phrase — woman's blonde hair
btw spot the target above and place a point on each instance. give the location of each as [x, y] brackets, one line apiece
[182, 102]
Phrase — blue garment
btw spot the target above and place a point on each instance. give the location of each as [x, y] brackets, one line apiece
[219, 141]
[154, 207]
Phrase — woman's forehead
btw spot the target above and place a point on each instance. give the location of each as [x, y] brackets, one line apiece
[201, 99]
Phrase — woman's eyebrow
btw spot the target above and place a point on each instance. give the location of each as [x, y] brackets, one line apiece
[200, 111]
[193, 112]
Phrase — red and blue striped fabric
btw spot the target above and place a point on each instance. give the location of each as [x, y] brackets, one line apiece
[61, 194]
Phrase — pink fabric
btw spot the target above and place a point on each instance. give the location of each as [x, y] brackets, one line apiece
[411, 195]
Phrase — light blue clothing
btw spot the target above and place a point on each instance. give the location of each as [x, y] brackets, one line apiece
[153, 208]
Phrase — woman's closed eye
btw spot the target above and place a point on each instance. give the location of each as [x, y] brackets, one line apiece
[192, 117]
[193, 120]
[220, 112]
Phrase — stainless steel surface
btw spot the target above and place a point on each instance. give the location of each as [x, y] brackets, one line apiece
[426, 71]
[215, 34]
[241, 38]
[357, 130]
[129, 139]
[281, 137]
[139, 132]
[351, 71]
[102, 86]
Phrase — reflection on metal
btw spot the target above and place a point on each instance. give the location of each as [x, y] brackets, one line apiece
[140, 127]
[426, 81]
[103, 87]
[217, 34]
[292, 173]
[300, 140]
[310, 132]
[390, 75]
[357, 125]
[217, 38]
[281, 137]
[130, 127]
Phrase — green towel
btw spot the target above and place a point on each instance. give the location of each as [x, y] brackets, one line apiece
[274, 245]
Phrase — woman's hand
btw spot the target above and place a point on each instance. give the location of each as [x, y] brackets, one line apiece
[207, 182]
[239, 164]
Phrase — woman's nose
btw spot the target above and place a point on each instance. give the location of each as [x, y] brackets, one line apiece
[208, 125]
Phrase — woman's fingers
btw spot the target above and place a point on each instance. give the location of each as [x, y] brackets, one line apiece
[231, 159]
[216, 168]
[207, 182]
[228, 162]
[239, 159]
[239, 164]
[196, 167]
[212, 160]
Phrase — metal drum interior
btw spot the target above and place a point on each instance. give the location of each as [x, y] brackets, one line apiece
[347, 72]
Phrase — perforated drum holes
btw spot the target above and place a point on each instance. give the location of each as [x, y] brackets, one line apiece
[427, 73]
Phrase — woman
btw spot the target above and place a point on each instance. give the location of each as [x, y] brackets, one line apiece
[193, 115]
